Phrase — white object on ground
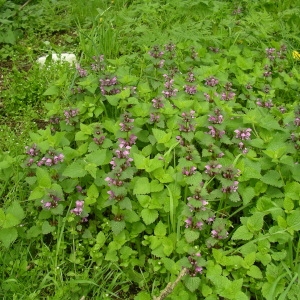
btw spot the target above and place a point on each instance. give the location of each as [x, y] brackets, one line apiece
[64, 57]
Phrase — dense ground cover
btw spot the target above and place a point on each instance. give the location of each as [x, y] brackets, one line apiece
[169, 153]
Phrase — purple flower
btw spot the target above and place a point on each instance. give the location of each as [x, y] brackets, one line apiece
[33, 151]
[189, 171]
[215, 133]
[82, 72]
[190, 89]
[154, 118]
[191, 77]
[226, 96]
[199, 225]
[231, 189]
[213, 169]
[157, 103]
[214, 233]
[244, 134]
[188, 222]
[211, 81]
[79, 208]
[297, 121]
[156, 52]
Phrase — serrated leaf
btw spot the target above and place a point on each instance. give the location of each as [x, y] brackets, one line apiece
[255, 272]
[100, 239]
[192, 283]
[249, 260]
[168, 246]
[37, 193]
[99, 157]
[142, 296]
[43, 178]
[75, 170]
[273, 178]
[235, 197]
[131, 216]
[139, 161]
[10, 221]
[160, 229]
[113, 99]
[242, 233]
[149, 215]
[247, 194]
[117, 226]
[156, 186]
[92, 169]
[255, 222]
[244, 63]
[288, 204]
[8, 236]
[142, 186]
[191, 235]
[170, 265]
[81, 136]
[292, 190]
[293, 220]
[52, 90]
[47, 228]
[161, 136]
[92, 191]
[16, 210]
[87, 234]
[33, 232]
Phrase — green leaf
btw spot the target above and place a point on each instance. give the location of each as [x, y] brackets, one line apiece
[242, 233]
[142, 296]
[113, 99]
[155, 186]
[160, 229]
[16, 210]
[87, 234]
[131, 216]
[139, 161]
[249, 260]
[99, 157]
[293, 220]
[117, 226]
[8, 236]
[170, 265]
[292, 190]
[33, 232]
[191, 235]
[149, 215]
[43, 178]
[75, 170]
[273, 178]
[249, 169]
[47, 228]
[255, 222]
[244, 63]
[161, 136]
[192, 283]
[168, 246]
[255, 272]
[10, 221]
[142, 186]
[51, 91]
[92, 169]
[247, 194]
[92, 195]
[100, 239]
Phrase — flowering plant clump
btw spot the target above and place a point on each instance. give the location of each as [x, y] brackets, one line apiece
[156, 170]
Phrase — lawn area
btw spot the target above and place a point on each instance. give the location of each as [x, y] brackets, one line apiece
[153, 152]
